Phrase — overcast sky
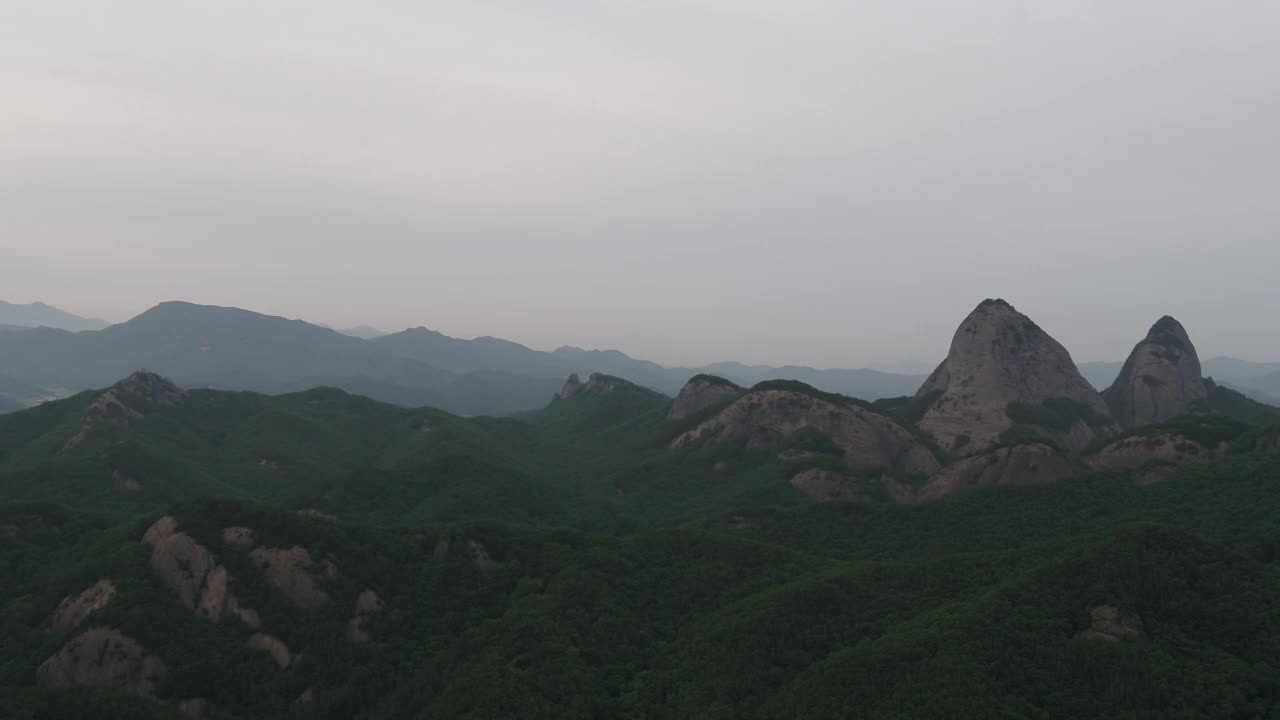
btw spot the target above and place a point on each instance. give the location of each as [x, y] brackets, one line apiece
[783, 181]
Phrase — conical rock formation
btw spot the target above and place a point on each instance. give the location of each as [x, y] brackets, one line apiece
[1160, 379]
[1002, 366]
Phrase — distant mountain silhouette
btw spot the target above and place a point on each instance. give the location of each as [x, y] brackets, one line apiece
[41, 315]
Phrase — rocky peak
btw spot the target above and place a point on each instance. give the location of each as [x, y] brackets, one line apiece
[1160, 379]
[1002, 364]
[597, 384]
[572, 387]
[126, 402]
[700, 393]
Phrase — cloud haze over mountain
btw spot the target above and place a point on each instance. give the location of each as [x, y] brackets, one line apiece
[780, 182]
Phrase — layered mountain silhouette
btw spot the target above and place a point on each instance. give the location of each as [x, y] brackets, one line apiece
[41, 315]
[230, 348]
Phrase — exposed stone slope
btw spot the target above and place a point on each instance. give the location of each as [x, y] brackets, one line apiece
[103, 658]
[1136, 451]
[192, 572]
[765, 419]
[1026, 464]
[597, 383]
[291, 572]
[700, 393]
[1160, 380]
[127, 402]
[1000, 358]
[73, 610]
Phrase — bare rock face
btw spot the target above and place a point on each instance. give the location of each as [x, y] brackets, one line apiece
[73, 610]
[273, 647]
[1137, 451]
[192, 572]
[827, 486]
[290, 571]
[103, 658]
[700, 393]
[766, 418]
[1108, 624]
[1027, 464]
[242, 536]
[999, 358]
[1160, 379]
[572, 387]
[480, 557]
[367, 604]
[596, 384]
[127, 402]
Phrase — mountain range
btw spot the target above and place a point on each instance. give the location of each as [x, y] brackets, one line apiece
[1002, 541]
[41, 315]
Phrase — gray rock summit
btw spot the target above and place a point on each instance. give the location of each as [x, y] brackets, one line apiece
[700, 393]
[1004, 371]
[1160, 380]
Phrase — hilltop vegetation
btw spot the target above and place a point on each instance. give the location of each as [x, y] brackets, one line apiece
[771, 552]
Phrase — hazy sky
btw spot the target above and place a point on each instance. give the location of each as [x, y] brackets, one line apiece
[828, 183]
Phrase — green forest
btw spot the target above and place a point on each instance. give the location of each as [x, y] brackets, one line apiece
[569, 564]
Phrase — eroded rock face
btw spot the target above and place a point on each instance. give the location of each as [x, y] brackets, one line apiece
[194, 708]
[127, 402]
[192, 572]
[700, 393]
[1027, 464]
[827, 486]
[103, 658]
[1160, 379]
[479, 555]
[73, 610]
[766, 418]
[367, 604]
[572, 387]
[273, 647]
[597, 383]
[1137, 451]
[999, 357]
[1108, 624]
[290, 571]
[242, 536]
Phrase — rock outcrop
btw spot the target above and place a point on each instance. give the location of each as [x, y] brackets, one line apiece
[103, 658]
[766, 418]
[127, 402]
[367, 604]
[1001, 361]
[290, 571]
[192, 572]
[272, 646]
[1108, 624]
[1026, 464]
[1160, 380]
[700, 393]
[827, 486]
[1138, 450]
[596, 384]
[73, 610]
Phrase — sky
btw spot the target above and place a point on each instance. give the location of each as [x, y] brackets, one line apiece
[803, 181]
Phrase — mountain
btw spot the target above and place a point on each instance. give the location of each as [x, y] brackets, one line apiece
[41, 315]
[235, 555]
[364, 332]
[1005, 377]
[1160, 380]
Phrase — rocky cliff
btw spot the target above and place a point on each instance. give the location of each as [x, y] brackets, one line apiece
[1160, 379]
[700, 393]
[767, 417]
[1004, 371]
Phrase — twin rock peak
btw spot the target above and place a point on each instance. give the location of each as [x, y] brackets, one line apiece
[1004, 373]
